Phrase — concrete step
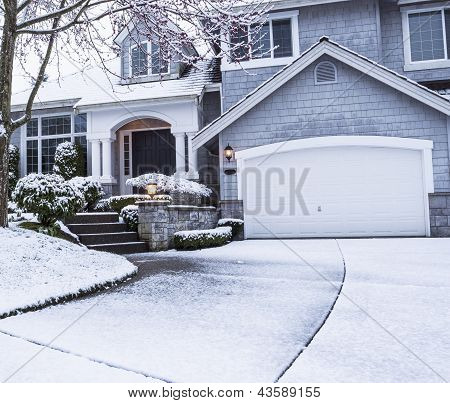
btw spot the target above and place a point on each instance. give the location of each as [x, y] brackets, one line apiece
[121, 248]
[92, 218]
[101, 228]
[108, 238]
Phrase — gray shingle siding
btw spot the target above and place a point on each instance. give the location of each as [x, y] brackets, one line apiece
[356, 105]
[352, 24]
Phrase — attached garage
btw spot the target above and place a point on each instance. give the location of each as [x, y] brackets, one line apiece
[346, 186]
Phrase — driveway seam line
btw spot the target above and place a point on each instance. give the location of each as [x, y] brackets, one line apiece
[324, 320]
[97, 361]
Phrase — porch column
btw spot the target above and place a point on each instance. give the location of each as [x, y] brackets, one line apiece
[192, 158]
[180, 154]
[96, 159]
[106, 160]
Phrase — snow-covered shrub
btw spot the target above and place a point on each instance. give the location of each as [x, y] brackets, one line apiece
[130, 216]
[91, 189]
[103, 206]
[236, 225]
[13, 168]
[170, 184]
[117, 203]
[49, 196]
[69, 161]
[199, 239]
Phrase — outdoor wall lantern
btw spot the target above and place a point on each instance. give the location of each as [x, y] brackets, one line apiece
[152, 189]
[229, 152]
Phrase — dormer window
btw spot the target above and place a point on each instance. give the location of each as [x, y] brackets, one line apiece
[272, 44]
[146, 60]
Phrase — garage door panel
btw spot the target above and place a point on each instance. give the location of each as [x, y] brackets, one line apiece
[351, 191]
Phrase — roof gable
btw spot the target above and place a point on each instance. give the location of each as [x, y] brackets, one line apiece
[338, 52]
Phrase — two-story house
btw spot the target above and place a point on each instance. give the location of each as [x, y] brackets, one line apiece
[338, 121]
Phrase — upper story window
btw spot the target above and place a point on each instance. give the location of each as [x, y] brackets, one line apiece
[271, 44]
[146, 60]
[427, 38]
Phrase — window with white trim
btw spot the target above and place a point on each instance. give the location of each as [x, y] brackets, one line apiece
[146, 59]
[429, 35]
[43, 134]
[275, 39]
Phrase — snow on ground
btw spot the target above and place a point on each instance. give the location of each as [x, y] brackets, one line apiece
[237, 313]
[54, 366]
[404, 285]
[36, 269]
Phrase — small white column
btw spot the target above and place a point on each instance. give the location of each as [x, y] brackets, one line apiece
[96, 159]
[107, 161]
[192, 158]
[180, 154]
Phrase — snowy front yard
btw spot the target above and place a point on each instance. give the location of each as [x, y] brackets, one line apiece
[37, 269]
[237, 313]
[245, 311]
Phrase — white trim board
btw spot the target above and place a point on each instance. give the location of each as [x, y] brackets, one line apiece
[338, 52]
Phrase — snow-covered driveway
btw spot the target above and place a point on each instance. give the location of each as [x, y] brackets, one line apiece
[237, 313]
[391, 322]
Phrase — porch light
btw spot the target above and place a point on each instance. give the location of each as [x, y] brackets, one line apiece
[152, 189]
[228, 151]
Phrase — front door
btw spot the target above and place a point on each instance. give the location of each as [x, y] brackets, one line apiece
[153, 151]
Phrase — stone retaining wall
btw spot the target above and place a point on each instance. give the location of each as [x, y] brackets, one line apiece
[440, 214]
[159, 220]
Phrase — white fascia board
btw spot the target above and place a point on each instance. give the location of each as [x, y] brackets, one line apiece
[285, 4]
[47, 105]
[137, 103]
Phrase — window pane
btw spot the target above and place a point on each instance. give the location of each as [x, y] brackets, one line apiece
[81, 140]
[52, 126]
[80, 123]
[282, 38]
[32, 128]
[126, 155]
[48, 153]
[426, 36]
[261, 41]
[139, 64]
[159, 65]
[239, 43]
[32, 156]
[447, 27]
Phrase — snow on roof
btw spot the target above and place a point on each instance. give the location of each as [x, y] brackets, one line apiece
[95, 87]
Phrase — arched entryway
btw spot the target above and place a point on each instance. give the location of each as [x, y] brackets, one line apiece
[145, 145]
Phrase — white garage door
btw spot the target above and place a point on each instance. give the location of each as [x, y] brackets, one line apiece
[347, 191]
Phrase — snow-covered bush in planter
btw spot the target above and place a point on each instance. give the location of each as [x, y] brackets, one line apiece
[69, 161]
[130, 216]
[117, 203]
[91, 189]
[183, 191]
[200, 239]
[236, 225]
[49, 196]
[13, 168]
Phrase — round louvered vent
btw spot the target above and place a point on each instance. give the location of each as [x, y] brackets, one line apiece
[326, 73]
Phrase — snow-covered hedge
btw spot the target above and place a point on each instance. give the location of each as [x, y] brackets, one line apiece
[130, 216]
[91, 189]
[199, 239]
[163, 198]
[170, 184]
[49, 196]
[103, 205]
[69, 161]
[13, 168]
[117, 203]
[236, 225]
